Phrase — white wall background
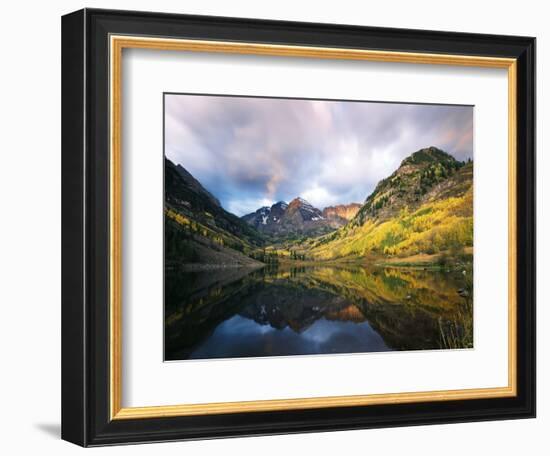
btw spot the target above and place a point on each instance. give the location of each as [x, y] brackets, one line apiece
[30, 191]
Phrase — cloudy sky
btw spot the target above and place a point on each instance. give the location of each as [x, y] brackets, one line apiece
[252, 152]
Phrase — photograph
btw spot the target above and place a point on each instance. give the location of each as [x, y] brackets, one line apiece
[316, 227]
[286, 223]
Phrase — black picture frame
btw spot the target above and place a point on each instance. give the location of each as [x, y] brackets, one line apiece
[85, 228]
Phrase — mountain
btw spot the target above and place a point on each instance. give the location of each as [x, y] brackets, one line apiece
[266, 216]
[299, 210]
[198, 229]
[408, 185]
[342, 211]
[424, 207]
[195, 186]
[296, 219]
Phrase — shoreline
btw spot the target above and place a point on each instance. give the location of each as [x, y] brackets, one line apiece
[418, 261]
[200, 267]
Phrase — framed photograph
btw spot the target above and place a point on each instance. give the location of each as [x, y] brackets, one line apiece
[279, 227]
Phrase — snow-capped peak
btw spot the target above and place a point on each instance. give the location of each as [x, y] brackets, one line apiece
[299, 201]
[264, 210]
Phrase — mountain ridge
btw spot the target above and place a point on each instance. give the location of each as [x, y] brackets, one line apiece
[414, 177]
[298, 218]
[343, 211]
[198, 230]
[425, 206]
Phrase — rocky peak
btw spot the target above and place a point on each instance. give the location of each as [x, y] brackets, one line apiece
[305, 209]
[427, 156]
[280, 204]
[278, 210]
[299, 202]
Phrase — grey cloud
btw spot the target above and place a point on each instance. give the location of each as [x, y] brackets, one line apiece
[253, 151]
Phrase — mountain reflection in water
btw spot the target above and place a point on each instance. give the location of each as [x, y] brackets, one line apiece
[231, 313]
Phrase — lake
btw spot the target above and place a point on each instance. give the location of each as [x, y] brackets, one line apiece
[281, 311]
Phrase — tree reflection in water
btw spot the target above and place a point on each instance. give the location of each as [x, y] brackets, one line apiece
[227, 313]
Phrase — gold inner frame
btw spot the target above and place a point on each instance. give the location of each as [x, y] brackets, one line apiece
[117, 44]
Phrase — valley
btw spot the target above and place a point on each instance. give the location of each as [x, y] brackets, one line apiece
[392, 273]
[419, 216]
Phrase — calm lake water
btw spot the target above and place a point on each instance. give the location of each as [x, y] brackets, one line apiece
[232, 313]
